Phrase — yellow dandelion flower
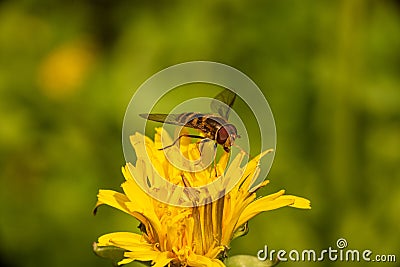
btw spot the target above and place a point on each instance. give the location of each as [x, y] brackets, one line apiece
[197, 235]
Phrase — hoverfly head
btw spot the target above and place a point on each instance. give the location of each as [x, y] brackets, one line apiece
[226, 136]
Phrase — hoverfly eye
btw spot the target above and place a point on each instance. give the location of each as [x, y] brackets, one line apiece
[222, 135]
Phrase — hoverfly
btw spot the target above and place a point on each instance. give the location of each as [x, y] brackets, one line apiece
[215, 126]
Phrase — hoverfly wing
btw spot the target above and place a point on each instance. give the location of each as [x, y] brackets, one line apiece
[226, 96]
[165, 118]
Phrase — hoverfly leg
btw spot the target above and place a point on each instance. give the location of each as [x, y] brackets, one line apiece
[184, 135]
[201, 147]
[215, 164]
[201, 143]
[203, 151]
[242, 150]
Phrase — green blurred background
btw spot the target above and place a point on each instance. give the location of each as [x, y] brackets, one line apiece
[329, 69]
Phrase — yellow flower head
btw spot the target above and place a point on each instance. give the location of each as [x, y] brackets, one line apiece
[186, 235]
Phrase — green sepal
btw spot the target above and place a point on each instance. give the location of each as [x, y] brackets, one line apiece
[112, 253]
[241, 231]
[115, 254]
[249, 261]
